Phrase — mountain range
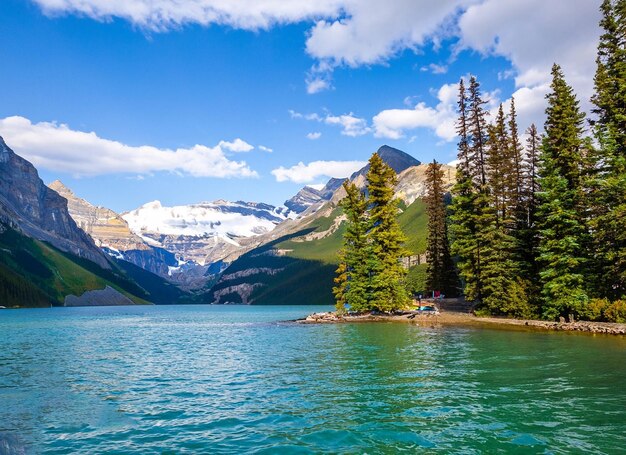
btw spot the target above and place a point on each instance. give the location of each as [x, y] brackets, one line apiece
[209, 252]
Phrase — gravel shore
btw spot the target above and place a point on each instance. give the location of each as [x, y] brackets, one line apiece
[465, 318]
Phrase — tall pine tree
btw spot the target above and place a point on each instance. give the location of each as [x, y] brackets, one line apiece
[528, 232]
[562, 229]
[440, 274]
[607, 188]
[387, 285]
[503, 292]
[463, 229]
[352, 279]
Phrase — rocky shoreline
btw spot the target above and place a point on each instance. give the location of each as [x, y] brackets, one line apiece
[452, 318]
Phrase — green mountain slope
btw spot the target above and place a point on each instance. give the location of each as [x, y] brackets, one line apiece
[36, 274]
[299, 268]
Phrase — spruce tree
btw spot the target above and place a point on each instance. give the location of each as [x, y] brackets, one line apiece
[477, 129]
[370, 275]
[352, 279]
[562, 230]
[528, 233]
[481, 210]
[607, 185]
[516, 181]
[499, 167]
[463, 229]
[502, 292]
[387, 285]
[440, 274]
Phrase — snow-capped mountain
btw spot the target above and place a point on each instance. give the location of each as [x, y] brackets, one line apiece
[206, 232]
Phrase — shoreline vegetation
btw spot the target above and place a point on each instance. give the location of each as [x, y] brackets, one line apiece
[452, 313]
[527, 232]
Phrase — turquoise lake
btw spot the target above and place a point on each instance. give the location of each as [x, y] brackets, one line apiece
[235, 379]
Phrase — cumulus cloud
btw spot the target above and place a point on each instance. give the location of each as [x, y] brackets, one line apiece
[162, 15]
[350, 124]
[314, 136]
[369, 34]
[311, 172]
[265, 149]
[57, 147]
[237, 145]
[534, 34]
[393, 123]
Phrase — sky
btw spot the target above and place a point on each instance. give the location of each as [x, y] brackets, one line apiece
[183, 101]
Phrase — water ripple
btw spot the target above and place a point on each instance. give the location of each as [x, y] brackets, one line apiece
[235, 380]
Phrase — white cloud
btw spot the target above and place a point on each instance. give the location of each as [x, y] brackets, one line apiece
[369, 33]
[56, 147]
[392, 123]
[317, 84]
[306, 173]
[351, 32]
[160, 15]
[265, 149]
[314, 136]
[237, 145]
[435, 68]
[534, 34]
[350, 124]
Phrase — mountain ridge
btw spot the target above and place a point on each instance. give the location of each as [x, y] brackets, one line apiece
[29, 205]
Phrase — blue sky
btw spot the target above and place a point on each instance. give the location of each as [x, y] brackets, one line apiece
[113, 97]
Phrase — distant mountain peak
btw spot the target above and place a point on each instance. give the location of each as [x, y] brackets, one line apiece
[397, 159]
[60, 188]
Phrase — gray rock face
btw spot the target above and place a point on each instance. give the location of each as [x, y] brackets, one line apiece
[28, 204]
[304, 199]
[307, 196]
[102, 297]
[397, 159]
[106, 228]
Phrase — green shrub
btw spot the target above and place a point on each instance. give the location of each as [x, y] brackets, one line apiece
[616, 312]
[594, 310]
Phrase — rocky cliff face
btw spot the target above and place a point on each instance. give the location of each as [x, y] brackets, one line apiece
[398, 160]
[308, 197]
[29, 205]
[412, 182]
[105, 227]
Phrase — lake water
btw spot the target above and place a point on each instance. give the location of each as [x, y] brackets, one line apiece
[234, 379]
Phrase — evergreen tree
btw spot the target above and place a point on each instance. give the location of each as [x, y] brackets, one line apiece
[387, 273]
[528, 234]
[496, 218]
[477, 129]
[530, 175]
[440, 268]
[352, 279]
[562, 230]
[498, 168]
[463, 229]
[516, 181]
[607, 186]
